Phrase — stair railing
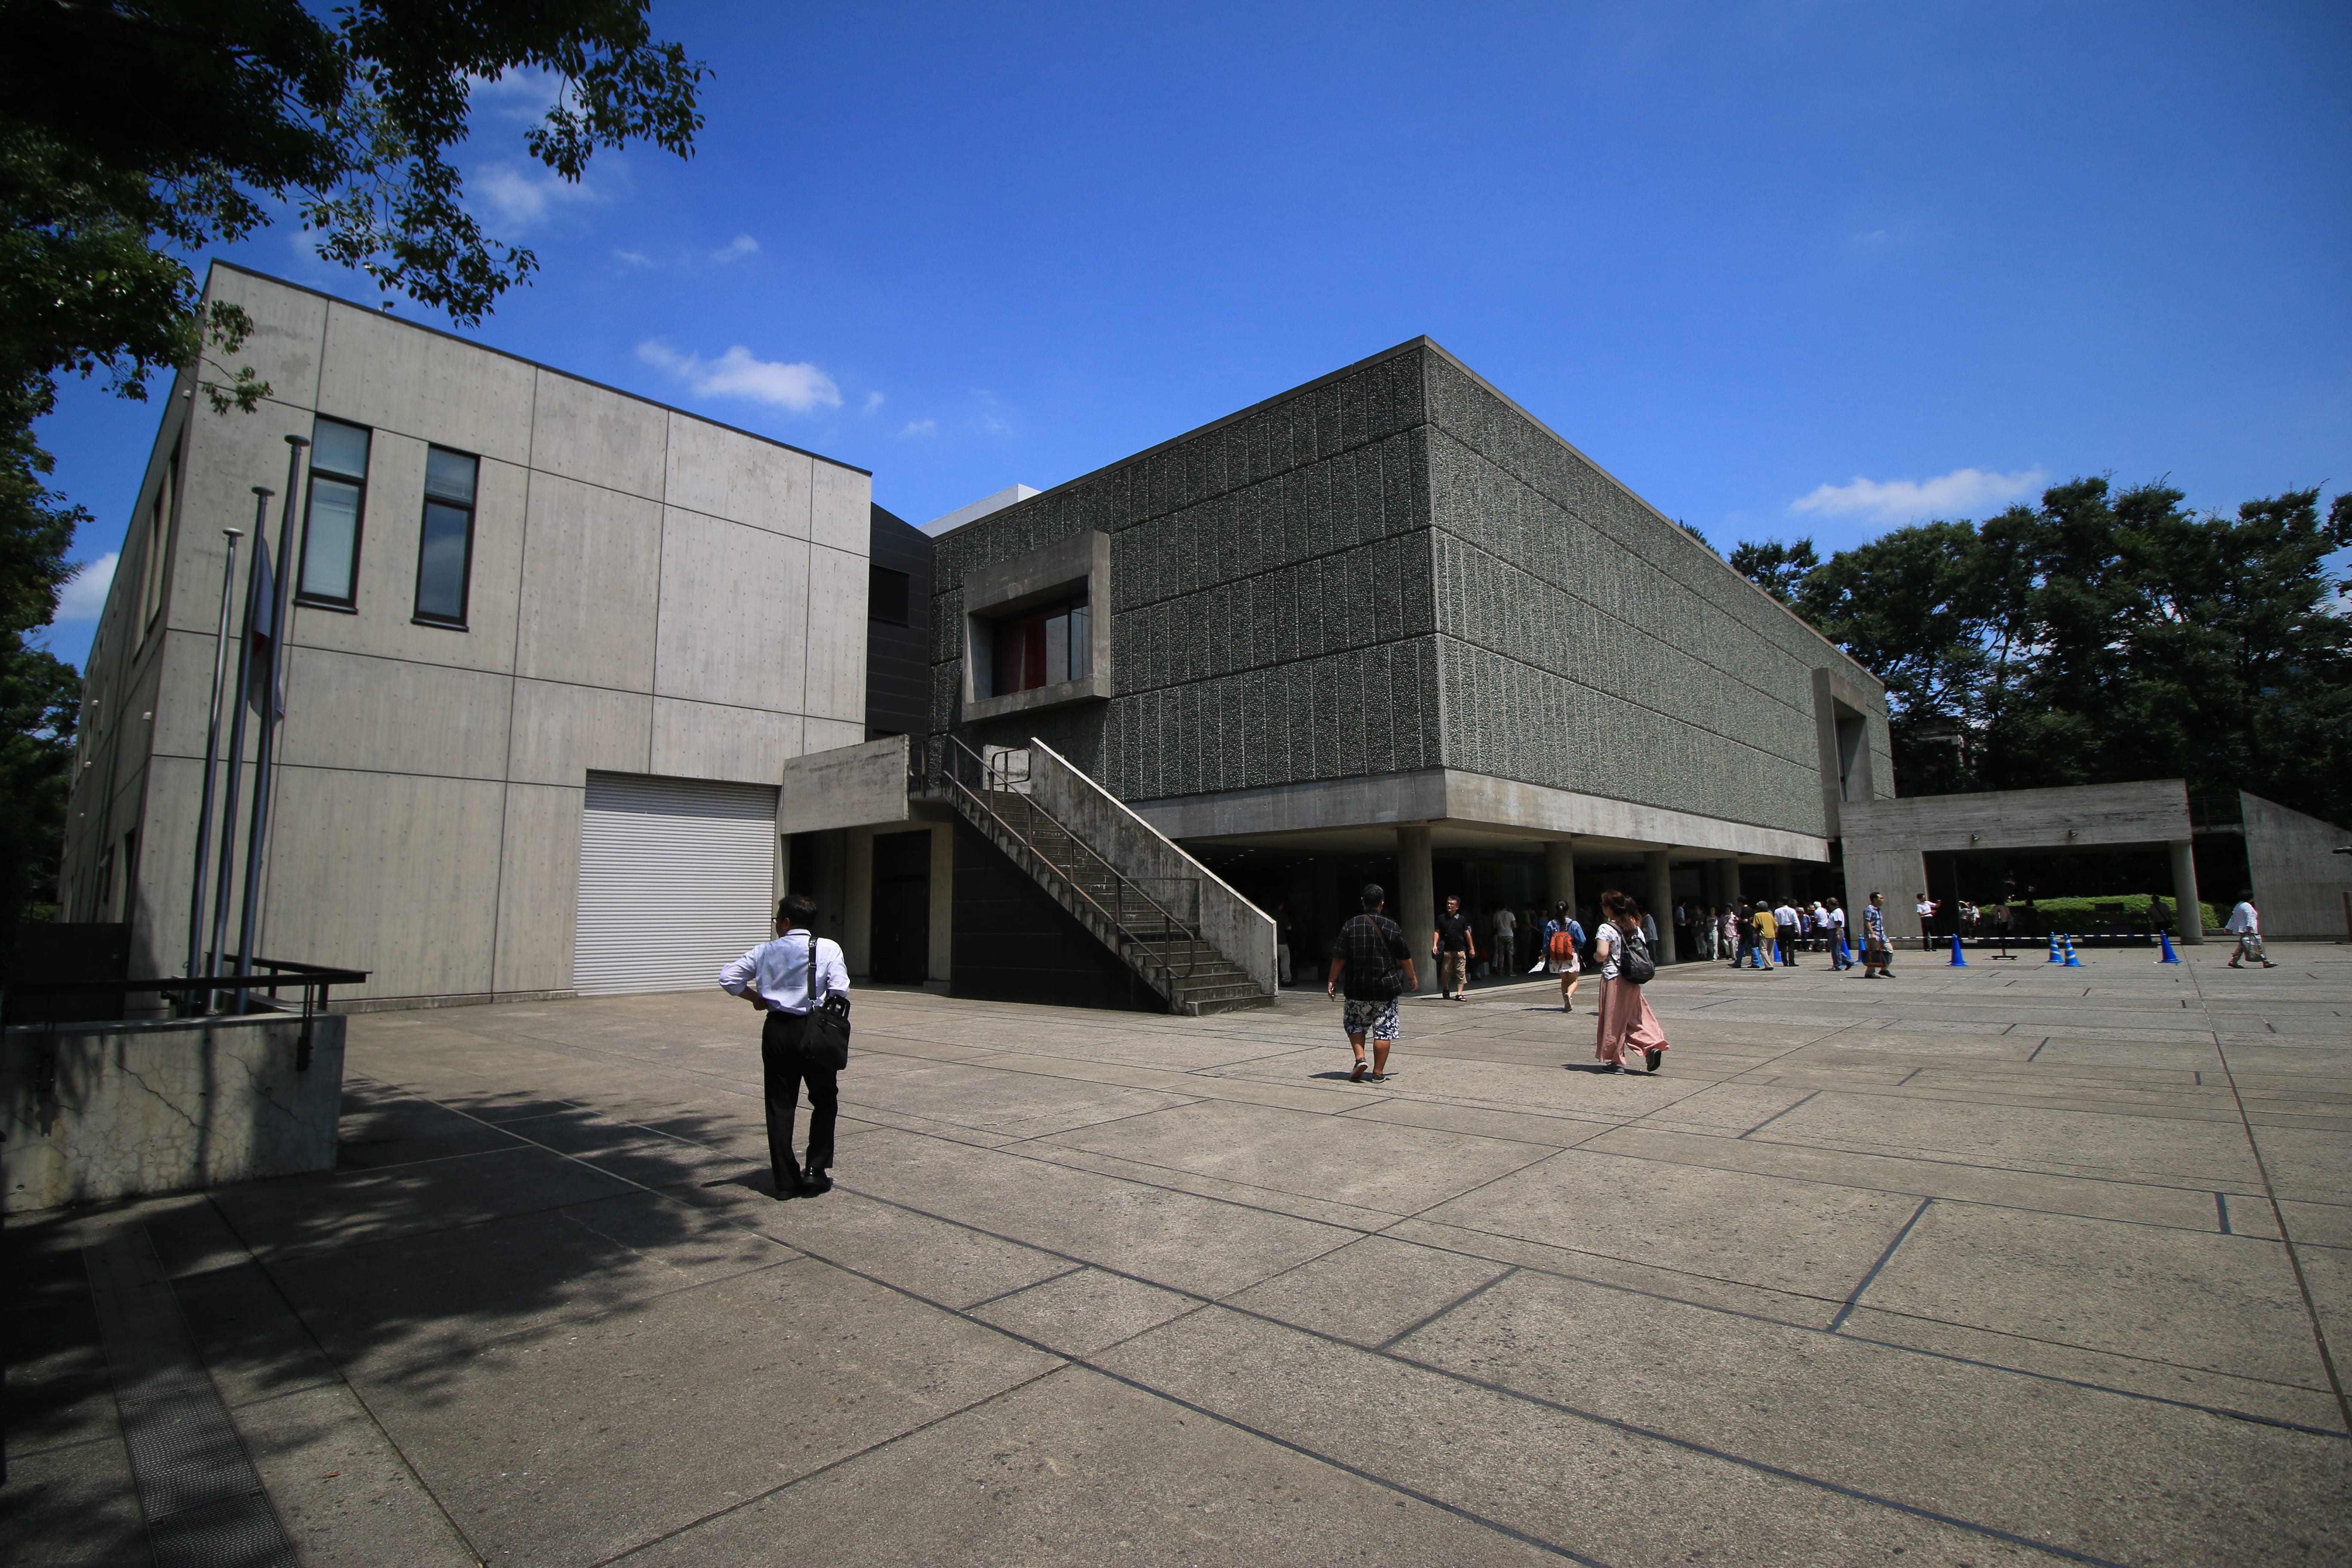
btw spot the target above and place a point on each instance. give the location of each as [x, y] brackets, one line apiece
[979, 782]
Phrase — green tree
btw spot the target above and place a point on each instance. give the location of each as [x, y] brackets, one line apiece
[135, 133]
[1779, 569]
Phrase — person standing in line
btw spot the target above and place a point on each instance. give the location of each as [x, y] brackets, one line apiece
[1281, 943]
[1649, 926]
[2246, 924]
[1877, 958]
[1767, 934]
[1626, 1021]
[1506, 943]
[1926, 919]
[1376, 961]
[1785, 925]
[1563, 947]
[1454, 947]
[1726, 933]
[788, 979]
[1833, 925]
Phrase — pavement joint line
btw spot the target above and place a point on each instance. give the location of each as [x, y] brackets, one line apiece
[2278, 1215]
[1779, 1113]
[1854, 1300]
[1032, 1285]
[1424, 1322]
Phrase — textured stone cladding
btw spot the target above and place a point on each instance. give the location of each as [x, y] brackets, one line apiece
[1273, 618]
[1587, 643]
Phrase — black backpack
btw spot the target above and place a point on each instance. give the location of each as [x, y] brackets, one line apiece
[1633, 960]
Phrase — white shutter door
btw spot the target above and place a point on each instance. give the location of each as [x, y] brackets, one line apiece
[676, 877]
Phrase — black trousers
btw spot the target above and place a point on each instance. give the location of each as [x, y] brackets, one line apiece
[781, 1059]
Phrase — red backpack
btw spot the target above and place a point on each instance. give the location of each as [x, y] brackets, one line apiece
[1561, 948]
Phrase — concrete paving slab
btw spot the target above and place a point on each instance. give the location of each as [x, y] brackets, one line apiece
[950, 1264]
[343, 1493]
[74, 1507]
[1783, 1233]
[1577, 1484]
[1076, 1471]
[2210, 1152]
[1370, 1291]
[753, 1382]
[1961, 1441]
[1084, 1310]
[2225, 1304]
[316, 1214]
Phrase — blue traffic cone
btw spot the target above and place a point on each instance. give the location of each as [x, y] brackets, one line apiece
[2169, 956]
[1958, 961]
[2055, 956]
[2071, 962]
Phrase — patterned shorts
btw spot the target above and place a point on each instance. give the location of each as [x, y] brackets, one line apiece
[1377, 1019]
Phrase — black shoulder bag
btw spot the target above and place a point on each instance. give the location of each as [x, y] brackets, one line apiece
[1389, 984]
[1633, 960]
[825, 1042]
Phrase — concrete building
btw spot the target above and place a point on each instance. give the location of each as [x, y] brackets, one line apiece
[579, 683]
[1388, 625]
[552, 648]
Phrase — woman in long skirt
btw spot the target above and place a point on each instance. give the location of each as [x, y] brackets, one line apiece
[1626, 1022]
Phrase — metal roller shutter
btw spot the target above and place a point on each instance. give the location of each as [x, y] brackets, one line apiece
[676, 877]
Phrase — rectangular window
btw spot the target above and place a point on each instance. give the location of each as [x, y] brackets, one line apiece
[885, 595]
[158, 547]
[1043, 648]
[330, 529]
[444, 552]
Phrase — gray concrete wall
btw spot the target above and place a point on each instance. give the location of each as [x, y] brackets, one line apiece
[1588, 642]
[848, 786]
[1240, 930]
[651, 593]
[94, 1111]
[2300, 882]
[1393, 570]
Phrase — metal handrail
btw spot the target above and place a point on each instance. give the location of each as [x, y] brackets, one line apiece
[313, 978]
[988, 769]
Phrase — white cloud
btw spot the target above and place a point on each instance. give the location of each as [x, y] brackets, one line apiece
[633, 258]
[737, 248]
[516, 198]
[921, 427]
[873, 400]
[1963, 492]
[735, 374]
[85, 593]
[523, 94]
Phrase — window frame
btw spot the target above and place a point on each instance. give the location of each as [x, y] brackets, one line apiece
[471, 508]
[303, 594]
[162, 519]
[875, 571]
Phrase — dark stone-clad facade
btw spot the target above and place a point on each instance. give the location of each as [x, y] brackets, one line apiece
[1395, 569]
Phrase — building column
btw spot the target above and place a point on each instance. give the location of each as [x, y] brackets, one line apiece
[2187, 920]
[943, 900]
[1784, 882]
[1416, 905]
[1661, 900]
[1559, 872]
[858, 905]
[1731, 893]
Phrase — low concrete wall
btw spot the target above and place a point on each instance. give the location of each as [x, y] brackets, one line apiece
[2300, 882]
[1240, 931]
[111, 1111]
[850, 787]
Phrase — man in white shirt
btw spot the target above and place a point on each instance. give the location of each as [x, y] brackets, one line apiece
[788, 979]
[1927, 917]
[1791, 929]
[2246, 921]
[1506, 942]
[1841, 952]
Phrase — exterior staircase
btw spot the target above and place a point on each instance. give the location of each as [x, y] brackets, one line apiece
[1152, 921]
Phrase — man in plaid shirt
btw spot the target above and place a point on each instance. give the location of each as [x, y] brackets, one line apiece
[1373, 950]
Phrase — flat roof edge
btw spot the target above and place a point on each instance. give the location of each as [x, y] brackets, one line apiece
[524, 359]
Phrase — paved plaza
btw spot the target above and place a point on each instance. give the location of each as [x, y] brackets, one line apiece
[2007, 1264]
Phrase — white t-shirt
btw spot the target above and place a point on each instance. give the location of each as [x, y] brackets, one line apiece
[2244, 921]
[1506, 924]
[1836, 919]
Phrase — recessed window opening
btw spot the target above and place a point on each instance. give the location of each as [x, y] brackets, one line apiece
[1853, 735]
[330, 530]
[445, 552]
[1043, 648]
[158, 547]
[887, 596]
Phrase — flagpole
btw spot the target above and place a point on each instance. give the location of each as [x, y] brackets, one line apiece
[212, 749]
[226, 882]
[264, 761]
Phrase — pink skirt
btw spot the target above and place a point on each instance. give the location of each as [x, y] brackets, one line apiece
[1626, 1023]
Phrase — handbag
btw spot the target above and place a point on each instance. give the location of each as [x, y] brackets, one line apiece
[826, 1043]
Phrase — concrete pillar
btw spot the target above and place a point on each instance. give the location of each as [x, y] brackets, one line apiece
[1415, 907]
[1660, 901]
[1784, 882]
[858, 905]
[2188, 921]
[942, 898]
[1559, 872]
[1731, 893]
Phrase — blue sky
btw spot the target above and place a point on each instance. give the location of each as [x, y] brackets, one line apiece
[1782, 268]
